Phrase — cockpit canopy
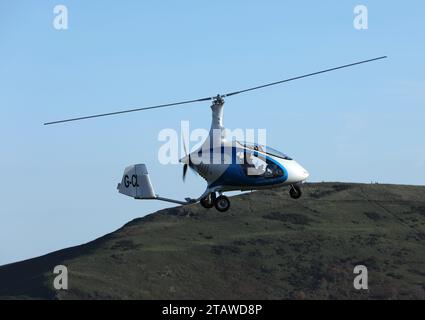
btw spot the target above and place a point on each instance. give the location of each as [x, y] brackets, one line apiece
[265, 149]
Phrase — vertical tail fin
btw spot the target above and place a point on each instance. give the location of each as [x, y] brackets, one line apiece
[136, 183]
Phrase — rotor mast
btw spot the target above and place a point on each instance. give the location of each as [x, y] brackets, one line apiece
[217, 113]
[217, 131]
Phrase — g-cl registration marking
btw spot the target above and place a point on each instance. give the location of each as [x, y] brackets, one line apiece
[131, 182]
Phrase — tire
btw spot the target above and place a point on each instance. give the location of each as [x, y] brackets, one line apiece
[295, 192]
[222, 203]
[208, 201]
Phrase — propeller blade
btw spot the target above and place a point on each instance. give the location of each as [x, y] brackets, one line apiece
[184, 144]
[185, 167]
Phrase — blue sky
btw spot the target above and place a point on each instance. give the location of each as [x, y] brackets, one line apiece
[58, 183]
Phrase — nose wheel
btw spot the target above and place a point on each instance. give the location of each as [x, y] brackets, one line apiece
[221, 203]
[208, 201]
[295, 192]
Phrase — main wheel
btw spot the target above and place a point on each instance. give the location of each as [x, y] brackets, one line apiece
[295, 192]
[208, 201]
[222, 203]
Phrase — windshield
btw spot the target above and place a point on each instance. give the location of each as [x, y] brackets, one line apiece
[265, 149]
[277, 153]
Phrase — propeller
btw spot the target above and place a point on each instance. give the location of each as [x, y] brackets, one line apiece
[185, 167]
[214, 98]
[187, 155]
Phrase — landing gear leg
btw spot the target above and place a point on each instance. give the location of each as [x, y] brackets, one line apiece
[295, 192]
[209, 201]
[222, 203]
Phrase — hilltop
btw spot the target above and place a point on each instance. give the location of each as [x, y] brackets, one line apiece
[267, 246]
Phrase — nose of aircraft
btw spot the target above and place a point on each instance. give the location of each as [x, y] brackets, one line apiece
[297, 173]
[304, 173]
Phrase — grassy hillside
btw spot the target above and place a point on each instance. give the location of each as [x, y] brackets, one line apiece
[267, 246]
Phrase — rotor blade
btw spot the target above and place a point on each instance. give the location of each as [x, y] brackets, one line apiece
[211, 98]
[300, 77]
[128, 111]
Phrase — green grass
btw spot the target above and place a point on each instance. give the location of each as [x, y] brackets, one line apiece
[267, 246]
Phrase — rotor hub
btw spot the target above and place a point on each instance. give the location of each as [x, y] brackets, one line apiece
[218, 100]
